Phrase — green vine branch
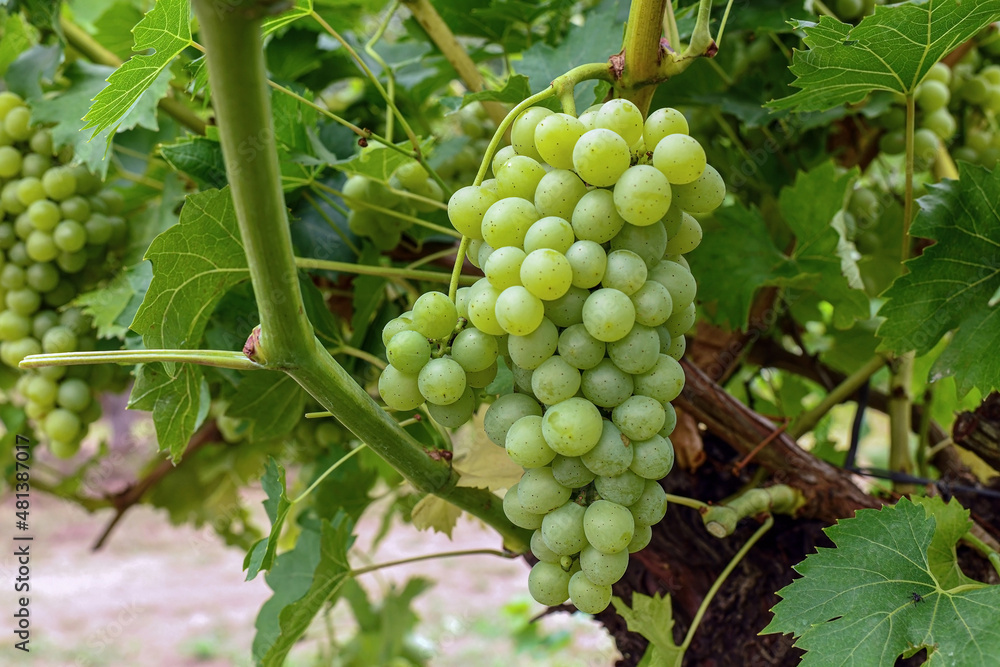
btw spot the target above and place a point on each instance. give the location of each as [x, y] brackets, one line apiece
[721, 520]
[237, 76]
[807, 420]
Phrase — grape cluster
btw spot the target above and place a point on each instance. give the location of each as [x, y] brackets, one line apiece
[385, 229]
[587, 298]
[56, 228]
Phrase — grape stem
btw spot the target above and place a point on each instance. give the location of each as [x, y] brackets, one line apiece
[721, 579]
[382, 271]
[390, 78]
[644, 62]
[416, 559]
[456, 272]
[693, 503]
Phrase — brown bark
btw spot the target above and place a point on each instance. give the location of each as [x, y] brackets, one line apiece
[979, 431]
[684, 560]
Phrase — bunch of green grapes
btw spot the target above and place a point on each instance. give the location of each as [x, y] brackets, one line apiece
[854, 10]
[587, 298]
[382, 227]
[976, 84]
[57, 227]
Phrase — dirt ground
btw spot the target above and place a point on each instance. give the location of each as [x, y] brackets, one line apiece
[161, 596]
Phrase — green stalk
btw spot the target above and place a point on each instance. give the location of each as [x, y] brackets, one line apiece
[900, 419]
[807, 420]
[642, 50]
[236, 74]
[693, 503]
[983, 549]
[721, 579]
[242, 105]
[218, 358]
[383, 271]
[337, 391]
[417, 559]
[370, 50]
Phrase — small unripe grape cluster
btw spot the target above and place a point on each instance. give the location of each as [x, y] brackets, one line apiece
[587, 297]
[385, 229]
[57, 227]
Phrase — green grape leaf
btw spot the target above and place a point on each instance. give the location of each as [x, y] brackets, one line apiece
[299, 9]
[305, 580]
[273, 403]
[26, 74]
[731, 267]
[199, 158]
[347, 487]
[890, 50]
[653, 618]
[949, 286]
[44, 14]
[65, 110]
[952, 523]
[437, 513]
[812, 207]
[117, 301]
[481, 464]
[18, 36]
[876, 596]
[179, 403]
[261, 555]
[195, 263]
[166, 31]
[591, 42]
[738, 255]
[516, 89]
[113, 28]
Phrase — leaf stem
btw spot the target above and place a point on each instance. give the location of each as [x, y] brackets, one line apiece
[417, 559]
[900, 416]
[390, 78]
[693, 503]
[95, 52]
[382, 271]
[343, 459]
[721, 579]
[217, 358]
[807, 420]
